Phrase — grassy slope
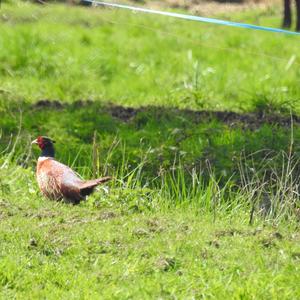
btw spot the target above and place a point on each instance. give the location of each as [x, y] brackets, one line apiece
[59, 252]
[116, 251]
[108, 55]
[129, 243]
[156, 137]
[75, 53]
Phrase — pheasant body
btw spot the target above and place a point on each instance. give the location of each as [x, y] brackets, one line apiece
[57, 181]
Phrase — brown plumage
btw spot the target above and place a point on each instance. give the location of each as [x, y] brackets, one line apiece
[56, 180]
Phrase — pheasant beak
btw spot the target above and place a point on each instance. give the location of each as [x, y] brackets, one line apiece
[34, 142]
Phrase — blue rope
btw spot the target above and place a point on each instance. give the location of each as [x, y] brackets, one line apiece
[194, 18]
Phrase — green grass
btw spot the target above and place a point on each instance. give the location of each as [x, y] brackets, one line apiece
[112, 249]
[157, 138]
[71, 53]
[174, 222]
[56, 252]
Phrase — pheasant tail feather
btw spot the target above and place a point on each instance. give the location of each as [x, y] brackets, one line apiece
[88, 186]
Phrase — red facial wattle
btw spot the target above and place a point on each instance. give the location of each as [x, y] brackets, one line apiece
[40, 141]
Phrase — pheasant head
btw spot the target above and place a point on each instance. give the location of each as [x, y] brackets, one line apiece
[46, 145]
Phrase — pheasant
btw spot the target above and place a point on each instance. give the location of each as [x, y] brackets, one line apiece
[56, 180]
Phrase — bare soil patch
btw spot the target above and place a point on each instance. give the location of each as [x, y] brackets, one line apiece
[206, 8]
[249, 120]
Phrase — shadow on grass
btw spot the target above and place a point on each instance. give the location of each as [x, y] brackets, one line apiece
[160, 138]
[243, 120]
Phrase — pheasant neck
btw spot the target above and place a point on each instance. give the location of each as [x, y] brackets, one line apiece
[48, 151]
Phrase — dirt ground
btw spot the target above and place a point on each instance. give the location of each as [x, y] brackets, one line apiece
[251, 120]
[206, 8]
[199, 7]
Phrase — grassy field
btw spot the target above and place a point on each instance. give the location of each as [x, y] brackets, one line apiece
[135, 59]
[199, 126]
